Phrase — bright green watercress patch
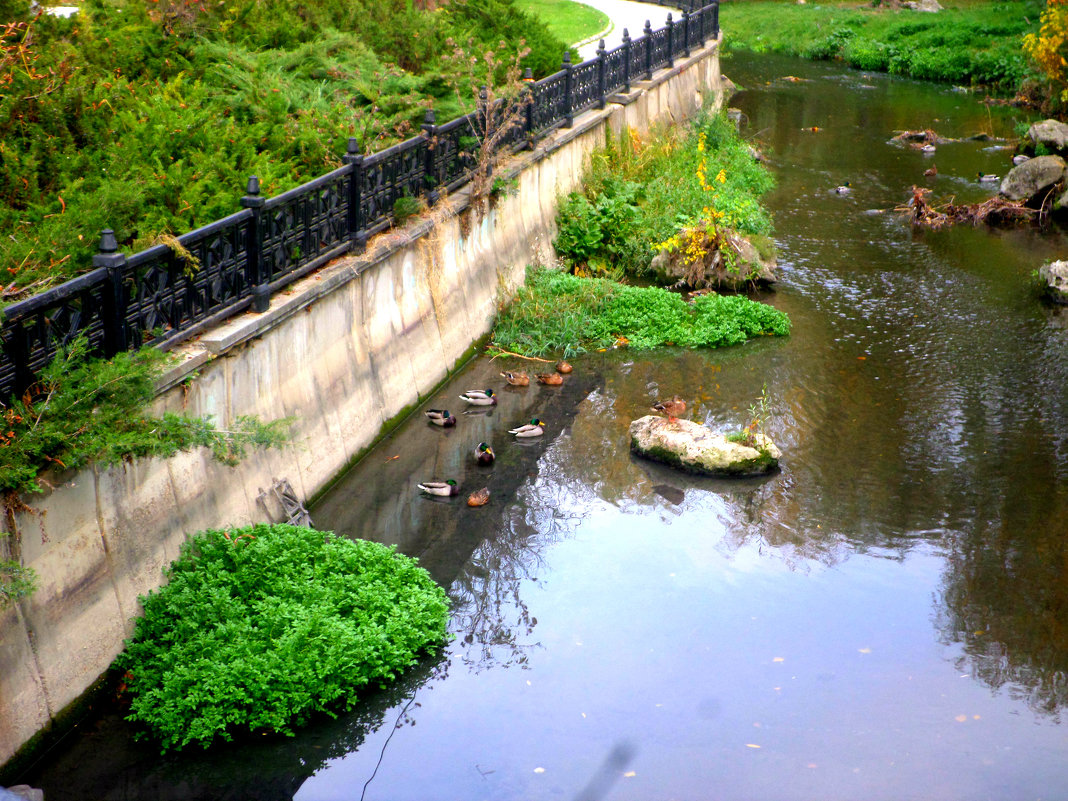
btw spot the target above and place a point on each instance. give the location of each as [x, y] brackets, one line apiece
[260, 628]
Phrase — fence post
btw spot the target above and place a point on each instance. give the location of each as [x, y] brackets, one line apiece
[648, 50]
[353, 157]
[715, 19]
[115, 300]
[430, 178]
[626, 60]
[254, 268]
[569, 117]
[602, 68]
[685, 32]
[701, 14]
[670, 26]
[529, 88]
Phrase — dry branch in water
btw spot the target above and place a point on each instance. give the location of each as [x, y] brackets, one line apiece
[996, 212]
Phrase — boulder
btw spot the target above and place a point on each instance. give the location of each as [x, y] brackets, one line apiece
[1055, 277]
[1033, 178]
[922, 5]
[696, 449]
[1051, 133]
[743, 267]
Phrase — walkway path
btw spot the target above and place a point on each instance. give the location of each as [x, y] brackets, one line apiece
[624, 14]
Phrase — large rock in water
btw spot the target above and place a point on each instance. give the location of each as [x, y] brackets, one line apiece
[1033, 178]
[1055, 277]
[1051, 133]
[696, 449]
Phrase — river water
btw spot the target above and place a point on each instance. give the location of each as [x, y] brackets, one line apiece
[885, 618]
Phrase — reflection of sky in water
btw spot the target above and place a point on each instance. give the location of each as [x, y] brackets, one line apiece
[691, 651]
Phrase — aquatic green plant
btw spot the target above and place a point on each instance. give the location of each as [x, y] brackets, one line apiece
[260, 628]
[561, 313]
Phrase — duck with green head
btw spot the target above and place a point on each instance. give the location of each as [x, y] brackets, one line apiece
[535, 428]
[446, 488]
[440, 417]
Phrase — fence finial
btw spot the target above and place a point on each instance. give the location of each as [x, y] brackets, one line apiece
[429, 118]
[567, 58]
[528, 74]
[353, 148]
[108, 243]
[253, 188]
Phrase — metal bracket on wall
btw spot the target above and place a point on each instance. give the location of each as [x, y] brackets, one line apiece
[292, 508]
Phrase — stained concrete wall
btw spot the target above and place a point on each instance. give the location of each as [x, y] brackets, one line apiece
[342, 352]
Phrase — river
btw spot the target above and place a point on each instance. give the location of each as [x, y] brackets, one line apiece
[884, 618]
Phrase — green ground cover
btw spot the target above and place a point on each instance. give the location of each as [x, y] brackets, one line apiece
[640, 192]
[570, 22]
[148, 118]
[969, 43]
[559, 313]
[259, 629]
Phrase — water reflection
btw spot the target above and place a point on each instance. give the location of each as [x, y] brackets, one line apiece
[849, 615]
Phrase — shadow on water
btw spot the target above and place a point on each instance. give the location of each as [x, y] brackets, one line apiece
[884, 618]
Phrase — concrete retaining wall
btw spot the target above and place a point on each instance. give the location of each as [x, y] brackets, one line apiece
[343, 352]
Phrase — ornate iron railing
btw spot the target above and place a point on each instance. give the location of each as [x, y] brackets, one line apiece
[167, 293]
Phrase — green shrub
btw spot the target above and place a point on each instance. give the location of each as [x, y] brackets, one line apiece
[640, 192]
[561, 313]
[260, 628]
[84, 410]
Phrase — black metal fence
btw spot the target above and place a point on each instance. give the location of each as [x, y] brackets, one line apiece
[153, 297]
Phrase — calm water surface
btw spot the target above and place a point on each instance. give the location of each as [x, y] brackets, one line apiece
[886, 618]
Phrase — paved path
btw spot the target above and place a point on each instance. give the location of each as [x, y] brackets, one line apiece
[625, 14]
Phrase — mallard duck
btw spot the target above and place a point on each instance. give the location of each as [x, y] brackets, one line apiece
[931, 171]
[563, 367]
[550, 379]
[478, 497]
[445, 488]
[844, 189]
[535, 428]
[484, 453]
[671, 408]
[440, 417]
[480, 397]
[519, 379]
[986, 178]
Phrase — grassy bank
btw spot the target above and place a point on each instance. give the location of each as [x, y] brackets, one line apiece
[148, 118]
[560, 313]
[639, 192]
[969, 43]
[568, 21]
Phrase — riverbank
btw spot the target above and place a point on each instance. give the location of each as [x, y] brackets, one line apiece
[966, 43]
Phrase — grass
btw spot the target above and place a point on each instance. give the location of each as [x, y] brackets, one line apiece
[641, 191]
[560, 313]
[570, 22]
[969, 43]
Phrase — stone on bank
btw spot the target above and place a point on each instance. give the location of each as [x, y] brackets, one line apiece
[696, 449]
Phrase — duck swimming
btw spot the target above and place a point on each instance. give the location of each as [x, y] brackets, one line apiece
[440, 417]
[484, 453]
[445, 488]
[520, 379]
[480, 397]
[550, 379]
[535, 428]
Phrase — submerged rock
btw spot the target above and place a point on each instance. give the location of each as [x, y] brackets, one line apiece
[1055, 276]
[697, 449]
[1033, 178]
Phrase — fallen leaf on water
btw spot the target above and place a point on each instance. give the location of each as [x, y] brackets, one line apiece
[864, 650]
[778, 659]
[630, 774]
[862, 358]
[960, 718]
[975, 717]
[391, 458]
[539, 770]
[751, 745]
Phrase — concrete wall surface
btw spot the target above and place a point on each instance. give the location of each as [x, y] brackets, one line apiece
[343, 352]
